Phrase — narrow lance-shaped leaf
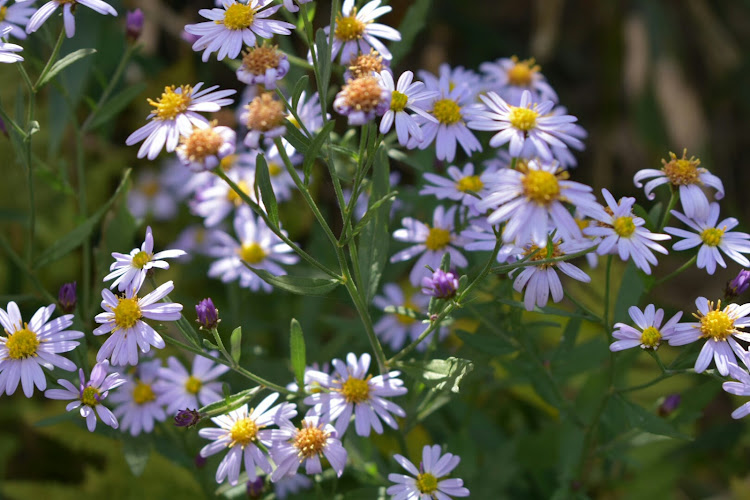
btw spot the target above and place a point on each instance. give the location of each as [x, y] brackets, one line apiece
[64, 63]
[235, 344]
[312, 153]
[298, 352]
[296, 284]
[263, 182]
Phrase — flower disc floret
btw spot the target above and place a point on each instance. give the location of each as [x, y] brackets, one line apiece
[438, 238]
[258, 60]
[193, 384]
[523, 118]
[366, 64]
[356, 390]
[521, 74]
[717, 324]
[624, 226]
[172, 103]
[143, 393]
[252, 253]
[398, 101]
[427, 483]
[650, 337]
[470, 183]
[238, 17]
[349, 28]
[141, 259]
[310, 440]
[447, 111]
[265, 113]
[541, 186]
[244, 431]
[712, 236]
[22, 344]
[90, 396]
[364, 93]
[682, 171]
[127, 312]
[202, 143]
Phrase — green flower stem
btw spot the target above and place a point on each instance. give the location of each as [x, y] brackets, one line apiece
[10, 121]
[593, 316]
[528, 262]
[607, 280]
[277, 231]
[132, 48]
[667, 374]
[687, 265]
[245, 373]
[220, 343]
[450, 307]
[298, 61]
[673, 197]
[83, 212]
[50, 61]
[364, 314]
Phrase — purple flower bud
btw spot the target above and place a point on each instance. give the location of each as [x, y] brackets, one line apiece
[255, 488]
[67, 297]
[187, 418]
[134, 24]
[739, 284]
[200, 461]
[669, 404]
[441, 285]
[208, 315]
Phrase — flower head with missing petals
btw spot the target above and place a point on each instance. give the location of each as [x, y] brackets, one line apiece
[430, 480]
[45, 11]
[88, 396]
[650, 332]
[354, 31]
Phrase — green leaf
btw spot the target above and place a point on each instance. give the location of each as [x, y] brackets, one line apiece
[442, 374]
[413, 23]
[298, 354]
[235, 344]
[630, 292]
[324, 62]
[640, 418]
[263, 182]
[228, 404]
[299, 87]
[64, 63]
[370, 212]
[375, 238]
[488, 344]
[137, 451]
[296, 138]
[298, 285]
[76, 237]
[116, 104]
[317, 142]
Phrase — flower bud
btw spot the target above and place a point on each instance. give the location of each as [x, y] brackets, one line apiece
[669, 405]
[67, 298]
[739, 284]
[187, 418]
[133, 24]
[255, 488]
[441, 285]
[208, 315]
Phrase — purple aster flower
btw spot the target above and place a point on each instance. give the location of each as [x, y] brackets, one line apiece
[430, 480]
[139, 407]
[134, 24]
[441, 285]
[354, 31]
[650, 332]
[187, 418]
[362, 99]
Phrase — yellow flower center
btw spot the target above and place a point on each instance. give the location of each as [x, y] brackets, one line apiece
[244, 431]
[238, 17]
[89, 396]
[523, 118]
[356, 390]
[252, 253]
[447, 111]
[437, 239]
[143, 393]
[259, 59]
[717, 324]
[141, 259]
[427, 483]
[712, 236]
[470, 183]
[364, 93]
[624, 226]
[274, 169]
[22, 344]
[405, 319]
[150, 188]
[127, 313]
[366, 64]
[682, 171]
[651, 337]
[265, 113]
[543, 253]
[310, 440]
[398, 101]
[349, 28]
[171, 103]
[232, 195]
[541, 186]
[522, 72]
[3, 13]
[202, 143]
[193, 385]
[228, 162]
